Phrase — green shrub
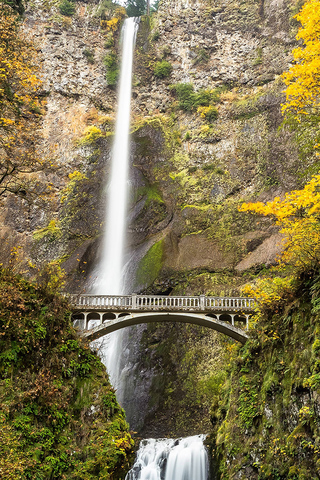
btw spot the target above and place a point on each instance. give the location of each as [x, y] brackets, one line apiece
[89, 55]
[210, 113]
[190, 100]
[67, 8]
[156, 36]
[202, 57]
[185, 94]
[109, 40]
[162, 69]
[111, 62]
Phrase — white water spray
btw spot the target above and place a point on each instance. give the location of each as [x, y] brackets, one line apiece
[110, 279]
[167, 459]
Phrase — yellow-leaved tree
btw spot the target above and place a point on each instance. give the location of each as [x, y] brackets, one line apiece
[298, 214]
[303, 78]
[20, 106]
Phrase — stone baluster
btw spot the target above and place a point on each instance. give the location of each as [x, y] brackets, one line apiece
[134, 301]
[202, 302]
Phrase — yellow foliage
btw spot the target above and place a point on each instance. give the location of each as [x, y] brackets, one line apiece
[90, 135]
[110, 25]
[203, 111]
[120, 12]
[302, 80]
[19, 105]
[299, 216]
[52, 231]
[268, 291]
[75, 177]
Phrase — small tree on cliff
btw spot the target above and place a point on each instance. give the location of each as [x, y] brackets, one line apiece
[135, 8]
[302, 106]
[20, 107]
[303, 78]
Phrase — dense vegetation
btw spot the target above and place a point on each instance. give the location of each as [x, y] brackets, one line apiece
[267, 416]
[59, 416]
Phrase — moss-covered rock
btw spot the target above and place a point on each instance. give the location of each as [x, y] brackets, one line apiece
[59, 415]
[267, 419]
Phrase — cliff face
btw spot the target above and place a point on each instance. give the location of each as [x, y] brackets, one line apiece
[236, 52]
[207, 133]
[70, 55]
[194, 159]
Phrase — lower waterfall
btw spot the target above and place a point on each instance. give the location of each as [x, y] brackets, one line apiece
[168, 459]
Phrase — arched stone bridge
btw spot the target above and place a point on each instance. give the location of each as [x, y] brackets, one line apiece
[98, 315]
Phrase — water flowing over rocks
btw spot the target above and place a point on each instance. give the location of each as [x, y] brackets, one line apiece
[167, 459]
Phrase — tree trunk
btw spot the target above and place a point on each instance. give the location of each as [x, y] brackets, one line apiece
[148, 7]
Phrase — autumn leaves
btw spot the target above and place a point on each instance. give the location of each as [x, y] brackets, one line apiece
[20, 106]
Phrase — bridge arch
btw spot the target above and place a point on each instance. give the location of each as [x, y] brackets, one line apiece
[212, 321]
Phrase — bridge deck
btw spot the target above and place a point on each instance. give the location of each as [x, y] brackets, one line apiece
[141, 303]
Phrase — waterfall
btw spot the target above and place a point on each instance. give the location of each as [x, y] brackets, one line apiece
[168, 459]
[110, 278]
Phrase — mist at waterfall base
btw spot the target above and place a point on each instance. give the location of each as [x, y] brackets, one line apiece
[167, 459]
[110, 275]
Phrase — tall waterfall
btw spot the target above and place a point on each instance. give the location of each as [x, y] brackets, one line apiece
[110, 279]
[167, 459]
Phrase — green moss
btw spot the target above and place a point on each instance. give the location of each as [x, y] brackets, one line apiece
[155, 36]
[89, 54]
[112, 74]
[150, 266]
[58, 413]
[165, 124]
[152, 194]
[247, 107]
[162, 69]
[258, 59]
[51, 232]
[270, 406]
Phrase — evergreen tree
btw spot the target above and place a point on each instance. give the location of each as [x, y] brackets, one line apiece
[155, 6]
[135, 8]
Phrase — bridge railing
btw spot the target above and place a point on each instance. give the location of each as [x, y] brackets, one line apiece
[158, 302]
